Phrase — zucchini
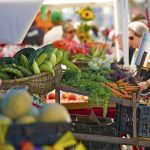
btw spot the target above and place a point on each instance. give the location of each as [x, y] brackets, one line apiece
[17, 73]
[30, 53]
[25, 71]
[4, 76]
[46, 48]
[24, 61]
[7, 60]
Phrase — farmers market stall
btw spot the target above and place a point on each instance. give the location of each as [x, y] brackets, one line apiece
[40, 71]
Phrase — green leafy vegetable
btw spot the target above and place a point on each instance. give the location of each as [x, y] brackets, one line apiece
[88, 80]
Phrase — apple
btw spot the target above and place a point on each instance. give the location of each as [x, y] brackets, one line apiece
[51, 96]
[72, 97]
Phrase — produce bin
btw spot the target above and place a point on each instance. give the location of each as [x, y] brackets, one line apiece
[38, 133]
[39, 84]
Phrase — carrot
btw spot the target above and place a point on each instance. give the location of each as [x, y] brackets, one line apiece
[130, 89]
[116, 95]
[124, 84]
[129, 92]
[128, 86]
[116, 92]
[128, 97]
[120, 81]
[123, 92]
[112, 85]
[104, 85]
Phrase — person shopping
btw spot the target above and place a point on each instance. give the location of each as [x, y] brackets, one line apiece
[135, 33]
[145, 85]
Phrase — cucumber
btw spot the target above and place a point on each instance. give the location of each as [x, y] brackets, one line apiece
[43, 56]
[17, 73]
[7, 60]
[29, 52]
[47, 48]
[4, 76]
[25, 71]
[66, 55]
[24, 61]
[70, 65]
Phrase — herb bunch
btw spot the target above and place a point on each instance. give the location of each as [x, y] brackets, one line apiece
[88, 80]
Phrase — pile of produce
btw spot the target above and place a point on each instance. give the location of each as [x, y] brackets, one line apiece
[89, 80]
[65, 97]
[66, 141]
[28, 62]
[122, 89]
[71, 46]
[16, 107]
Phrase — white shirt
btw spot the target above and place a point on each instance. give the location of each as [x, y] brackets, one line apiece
[53, 35]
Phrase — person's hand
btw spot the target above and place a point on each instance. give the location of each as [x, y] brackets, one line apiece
[143, 85]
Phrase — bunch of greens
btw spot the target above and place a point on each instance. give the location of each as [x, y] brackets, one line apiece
[88, 80]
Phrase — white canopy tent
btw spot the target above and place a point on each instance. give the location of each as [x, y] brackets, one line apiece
[16, 18]
[68, 3]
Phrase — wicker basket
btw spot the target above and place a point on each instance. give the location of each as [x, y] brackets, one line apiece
[39, 84]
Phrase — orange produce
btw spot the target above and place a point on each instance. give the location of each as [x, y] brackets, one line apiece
[72, 97]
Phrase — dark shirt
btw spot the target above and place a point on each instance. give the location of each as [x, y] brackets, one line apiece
[131, 51]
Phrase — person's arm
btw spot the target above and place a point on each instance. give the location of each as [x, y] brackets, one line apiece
[145, 85]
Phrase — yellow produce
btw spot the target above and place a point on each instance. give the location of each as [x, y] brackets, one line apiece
[7, 147]
[54, 113]
[16, 103]
[5, 120]
[26, 120]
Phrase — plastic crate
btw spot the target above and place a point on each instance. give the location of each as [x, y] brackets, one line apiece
[144, 121]
[123, 119]
[38, 133]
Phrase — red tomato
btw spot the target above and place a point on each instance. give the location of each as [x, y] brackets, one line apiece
[51, 96]
[73, 97]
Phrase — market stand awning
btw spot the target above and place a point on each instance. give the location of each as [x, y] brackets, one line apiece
[60, 2]
[16, 18]
[71, 3]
